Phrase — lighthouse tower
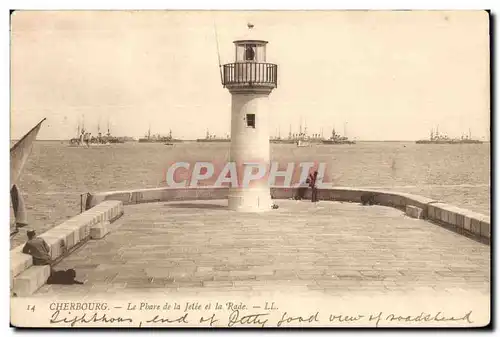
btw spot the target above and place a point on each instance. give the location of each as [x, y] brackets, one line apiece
[250, 80]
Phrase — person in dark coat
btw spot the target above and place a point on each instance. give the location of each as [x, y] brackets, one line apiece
[312, 183]
[38, 249]
[249, 53]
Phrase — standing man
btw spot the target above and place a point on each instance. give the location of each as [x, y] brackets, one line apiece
[312, 184]
[38, 249]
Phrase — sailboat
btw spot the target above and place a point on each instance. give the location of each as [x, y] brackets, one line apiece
[19, 154]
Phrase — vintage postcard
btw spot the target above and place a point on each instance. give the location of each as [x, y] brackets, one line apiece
[250, 169]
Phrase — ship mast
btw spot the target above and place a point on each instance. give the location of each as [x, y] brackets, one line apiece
[218, 53]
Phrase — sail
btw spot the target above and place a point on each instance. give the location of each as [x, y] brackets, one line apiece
[20, 152]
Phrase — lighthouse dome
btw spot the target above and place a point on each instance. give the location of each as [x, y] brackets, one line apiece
[251, 33]
[249, 48]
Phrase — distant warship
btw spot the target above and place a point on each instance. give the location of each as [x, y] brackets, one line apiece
[437, 138]
[149, 138]
[209, 138]
[301, 139]
[337, 139]
[85, 139]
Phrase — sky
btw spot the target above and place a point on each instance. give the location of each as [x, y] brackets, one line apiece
[376, 75]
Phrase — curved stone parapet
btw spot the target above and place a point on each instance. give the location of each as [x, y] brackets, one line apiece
[158, 194]
[462, 220]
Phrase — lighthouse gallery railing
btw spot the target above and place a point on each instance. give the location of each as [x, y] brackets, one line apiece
[250, 73]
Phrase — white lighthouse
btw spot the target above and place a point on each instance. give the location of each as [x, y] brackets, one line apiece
[250, 80]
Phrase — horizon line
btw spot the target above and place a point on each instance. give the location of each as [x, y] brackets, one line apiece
[194, 140]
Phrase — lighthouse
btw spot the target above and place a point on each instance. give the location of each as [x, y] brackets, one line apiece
[250, 79]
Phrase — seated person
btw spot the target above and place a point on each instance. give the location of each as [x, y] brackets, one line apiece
[38, 249]
[301, 191]
[368, 199]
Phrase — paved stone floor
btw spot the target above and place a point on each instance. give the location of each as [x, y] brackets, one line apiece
[329, 247]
